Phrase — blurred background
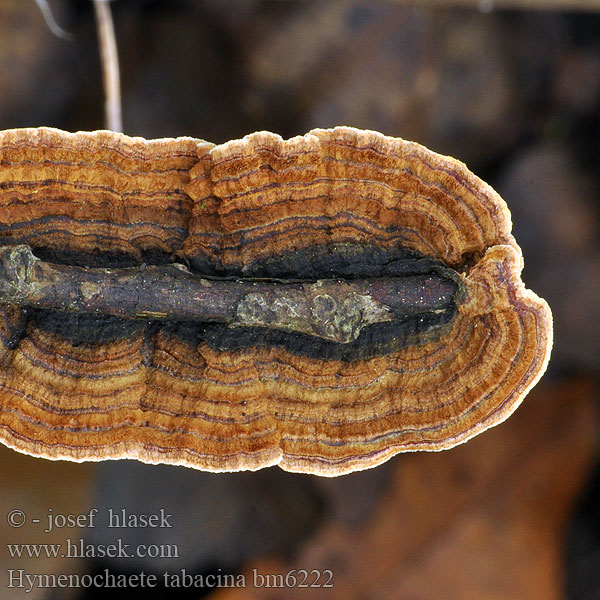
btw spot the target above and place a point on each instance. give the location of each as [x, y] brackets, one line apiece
[511, 88]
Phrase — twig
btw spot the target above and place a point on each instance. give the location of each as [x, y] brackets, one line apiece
[110, 65]
[336, 310]
[53, 26]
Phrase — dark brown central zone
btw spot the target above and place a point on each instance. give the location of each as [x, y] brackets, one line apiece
[343, 262]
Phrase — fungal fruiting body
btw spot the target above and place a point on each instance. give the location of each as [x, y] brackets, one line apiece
[374, 300]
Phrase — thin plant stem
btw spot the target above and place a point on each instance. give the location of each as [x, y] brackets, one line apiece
[53, 26]
[110, 65]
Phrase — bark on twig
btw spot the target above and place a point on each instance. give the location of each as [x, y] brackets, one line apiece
[335, 310]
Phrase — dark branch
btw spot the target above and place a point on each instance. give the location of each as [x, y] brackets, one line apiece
[335, 310]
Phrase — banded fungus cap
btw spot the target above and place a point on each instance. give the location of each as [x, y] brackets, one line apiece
[321, 303]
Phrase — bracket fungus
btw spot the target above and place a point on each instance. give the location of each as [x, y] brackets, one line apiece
[321, 303]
